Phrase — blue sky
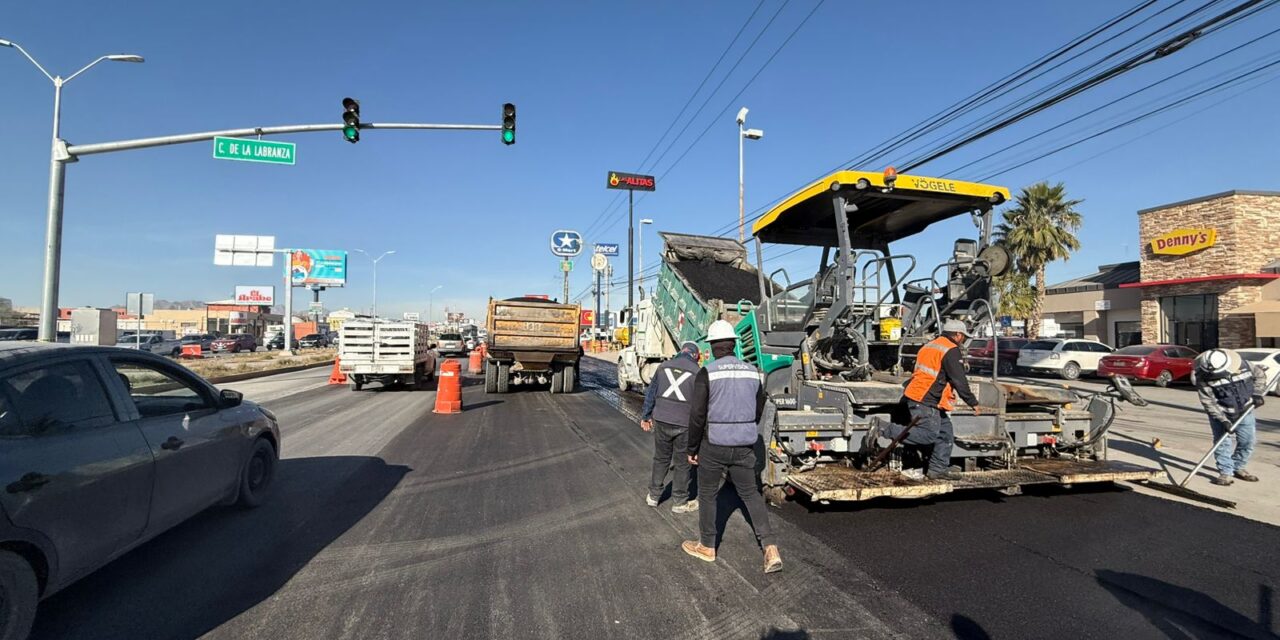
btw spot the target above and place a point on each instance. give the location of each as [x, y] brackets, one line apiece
[595, 85]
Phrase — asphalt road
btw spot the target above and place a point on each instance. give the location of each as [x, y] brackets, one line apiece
[523, 517]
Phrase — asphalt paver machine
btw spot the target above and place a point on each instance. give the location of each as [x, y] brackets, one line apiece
[837, 349]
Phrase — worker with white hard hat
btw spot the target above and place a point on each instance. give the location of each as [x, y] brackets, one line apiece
[930, 396]
[1229, 389]
[728, 400]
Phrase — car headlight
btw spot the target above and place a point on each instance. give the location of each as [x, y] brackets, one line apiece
[267, 412]
[1053, 356]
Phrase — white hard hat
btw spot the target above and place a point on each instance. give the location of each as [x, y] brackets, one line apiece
[1215, 361]
[954, 326]
[721, 330]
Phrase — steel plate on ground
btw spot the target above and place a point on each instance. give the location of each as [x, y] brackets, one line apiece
[1070, 471]
[999, 479]
[845, 484]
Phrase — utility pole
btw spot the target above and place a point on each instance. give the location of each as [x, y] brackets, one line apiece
[564, 266]
[608, 284]
[631, 262]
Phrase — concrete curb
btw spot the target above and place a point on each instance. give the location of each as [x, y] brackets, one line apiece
[238, 377]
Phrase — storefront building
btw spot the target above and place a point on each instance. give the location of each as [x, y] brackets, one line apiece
[1095, 307]
[1205, 264]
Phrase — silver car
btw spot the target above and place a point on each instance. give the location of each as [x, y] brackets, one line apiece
[451, 344]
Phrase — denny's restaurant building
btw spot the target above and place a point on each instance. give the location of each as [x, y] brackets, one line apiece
[1209, 271]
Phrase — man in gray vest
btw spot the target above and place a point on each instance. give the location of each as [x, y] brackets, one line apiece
[666, 413]
[728, 399]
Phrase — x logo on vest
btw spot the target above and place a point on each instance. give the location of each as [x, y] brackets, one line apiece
[674, 382]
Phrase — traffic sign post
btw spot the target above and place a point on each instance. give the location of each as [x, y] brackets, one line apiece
[599, 263]
[268, 151]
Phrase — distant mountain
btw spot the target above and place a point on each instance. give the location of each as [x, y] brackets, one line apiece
[179, 304]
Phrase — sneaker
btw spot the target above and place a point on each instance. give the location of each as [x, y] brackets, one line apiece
[650, 500]
[1222, 480]
[688, 507]
[772, 559]
[1246, 476]
[914, 474]
[695, 549]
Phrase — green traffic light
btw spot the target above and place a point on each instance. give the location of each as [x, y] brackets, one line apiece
[508, 136]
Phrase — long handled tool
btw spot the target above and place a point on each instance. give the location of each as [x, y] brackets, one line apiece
[884, 455]
[1180, 488]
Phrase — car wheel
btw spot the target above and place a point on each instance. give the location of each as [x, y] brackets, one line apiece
[1164, 379]
[255, 483]
[1070, 371]
[19, 594]
[1006, 368]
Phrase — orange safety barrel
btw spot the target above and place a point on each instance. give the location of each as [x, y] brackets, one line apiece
[476, 362]
[192, 351]
[449, 388]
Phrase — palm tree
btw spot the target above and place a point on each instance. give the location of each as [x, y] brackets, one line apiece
[1039, 229]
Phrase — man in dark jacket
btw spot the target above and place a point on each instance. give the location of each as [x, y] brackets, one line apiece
[728, 399]
[666, 413]
[1229, 390]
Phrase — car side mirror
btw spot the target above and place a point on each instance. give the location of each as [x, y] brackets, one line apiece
[228, 398]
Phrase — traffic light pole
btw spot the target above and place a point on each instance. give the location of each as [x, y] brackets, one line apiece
[63, 154]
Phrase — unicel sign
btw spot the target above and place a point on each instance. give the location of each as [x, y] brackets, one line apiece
[1180, 242]
[250, 295]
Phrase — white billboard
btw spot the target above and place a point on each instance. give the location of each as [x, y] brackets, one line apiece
[243, 251]
[255, 294]
[412, 316]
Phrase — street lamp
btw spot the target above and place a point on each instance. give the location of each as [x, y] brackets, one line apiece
[643, 222]
[57, 175]
[375, 276]
[431, 302]
[743, 134]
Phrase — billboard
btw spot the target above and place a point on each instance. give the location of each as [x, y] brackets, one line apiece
[412, 316]
[632, 181]
[587, 318]
[327, 267]
[255, 294]
[606, 249]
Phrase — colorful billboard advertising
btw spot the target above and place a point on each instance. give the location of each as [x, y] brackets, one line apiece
[325, 267]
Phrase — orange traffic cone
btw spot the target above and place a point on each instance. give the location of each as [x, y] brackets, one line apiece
[449, 388]
[337, 377]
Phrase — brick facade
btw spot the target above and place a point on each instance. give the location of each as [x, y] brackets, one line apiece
[1248, 238]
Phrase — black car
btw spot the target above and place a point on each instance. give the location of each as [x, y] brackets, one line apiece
[21, 333]
[314, 341]
[104, 449]
[277, 342]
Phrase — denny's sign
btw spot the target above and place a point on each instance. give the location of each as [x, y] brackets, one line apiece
[1180, 242]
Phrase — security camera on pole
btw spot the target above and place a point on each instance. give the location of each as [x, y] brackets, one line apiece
[631, 182]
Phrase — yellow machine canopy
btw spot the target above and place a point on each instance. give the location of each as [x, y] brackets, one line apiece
[884, 208]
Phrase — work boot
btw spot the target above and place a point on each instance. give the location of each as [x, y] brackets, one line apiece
[952, 473]
[650, 500]
[688, 507]
[772, 559]
[870, 442]
[1223, 480]
[1246, 476]
[695, 549]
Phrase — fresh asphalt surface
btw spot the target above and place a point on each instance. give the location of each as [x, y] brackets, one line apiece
[523, 517]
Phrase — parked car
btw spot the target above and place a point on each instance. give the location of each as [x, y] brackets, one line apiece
[235, 343]
[205, 340]
[980, 352]
[277, 342]
[313, 341]
[1067, 358]
[153, 342]
[1269, 358]
[1162, 364]
[451, 344]
[21, 333]
[104, 449]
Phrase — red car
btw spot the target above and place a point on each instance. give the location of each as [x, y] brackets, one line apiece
[979, 354]
[1158, 363]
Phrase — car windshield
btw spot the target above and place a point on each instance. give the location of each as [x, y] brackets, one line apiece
[192, 339]
[1042, 345]
[1251, 356]
[1136, 350]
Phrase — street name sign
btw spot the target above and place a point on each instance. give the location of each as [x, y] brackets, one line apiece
[248, 150]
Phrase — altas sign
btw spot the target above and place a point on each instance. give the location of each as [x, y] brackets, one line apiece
[1180, 242]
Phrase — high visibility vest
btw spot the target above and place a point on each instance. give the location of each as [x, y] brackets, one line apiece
[928, 368]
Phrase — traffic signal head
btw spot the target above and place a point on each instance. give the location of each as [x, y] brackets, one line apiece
[351, 120]
[508, 123]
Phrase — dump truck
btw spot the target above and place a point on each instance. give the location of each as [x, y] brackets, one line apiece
[391, 352]
[838, 348]
[532, 341]
[702, 279]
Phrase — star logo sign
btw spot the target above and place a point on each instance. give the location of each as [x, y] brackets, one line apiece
[567, 242]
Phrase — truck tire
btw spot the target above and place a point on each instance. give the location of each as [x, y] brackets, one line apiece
[19, 593]
[623, 385]
[504, 377]
[490, 377]
[557, 380]
[570, 379]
